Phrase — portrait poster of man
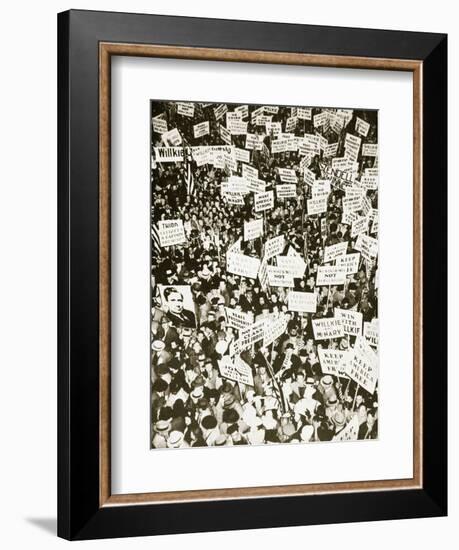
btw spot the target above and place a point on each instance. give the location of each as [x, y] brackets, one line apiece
[178, 306]
[264, 272]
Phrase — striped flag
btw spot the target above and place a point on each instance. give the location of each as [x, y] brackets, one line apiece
[187, 159]
[155, 241]
[189, 179]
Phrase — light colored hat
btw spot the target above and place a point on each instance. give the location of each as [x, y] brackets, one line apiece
[220, 440]
[158, 345]
[256, 437]
[175, 439]
[221, 346]
[326, 381]
[198, 392]
[269, 423]
[206, 271]
[306, 433]
[162, 426]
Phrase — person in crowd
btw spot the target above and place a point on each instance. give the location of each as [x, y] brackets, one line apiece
[208, 386]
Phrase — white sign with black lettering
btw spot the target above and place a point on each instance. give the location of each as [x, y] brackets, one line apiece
[371, 332]
[349, 262]
[279, 276]
[294, 264]
[264, 201]
[273, 329]
[317, 206]
[334, 251]
[239, 371]
[242, 155]
[303, 302]
[240, 264]
[242, 110]
[238, 319]
[159, 124]
[330, 275]
[351, 321]
[286, 191]
[361, 127]
[185, 109]
[350, 432]
[235, 124]
[253, 142]
[220, 111]
[171, 232]
[363, 367]
[274, 246]
[224, 134]
[327, 328]
[201, 129]
[287, 175]
[253, 229]
[172, 138]
[370, 150]
[331, 361]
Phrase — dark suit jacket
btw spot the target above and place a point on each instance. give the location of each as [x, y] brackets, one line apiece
[186, 319]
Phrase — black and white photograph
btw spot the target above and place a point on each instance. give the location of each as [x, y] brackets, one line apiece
[264, 274]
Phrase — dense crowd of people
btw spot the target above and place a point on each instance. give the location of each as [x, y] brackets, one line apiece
[291, 397]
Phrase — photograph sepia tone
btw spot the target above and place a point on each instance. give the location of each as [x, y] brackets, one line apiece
[264, 274]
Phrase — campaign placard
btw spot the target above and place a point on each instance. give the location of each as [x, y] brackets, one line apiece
[302, 302]
[327, 328]
[240, 264]
[171, 232]
[334, 251]
[330, 275]
[253, 229]
[351, 320]
[264, 201]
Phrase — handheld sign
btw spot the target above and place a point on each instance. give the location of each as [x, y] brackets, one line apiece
[302, 302]
[327, 328]
[171, 232]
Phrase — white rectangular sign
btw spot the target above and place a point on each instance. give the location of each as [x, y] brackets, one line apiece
[239, 371]
[330, 275]
[238, 319]
[240, 264]
[278, 276]
[273, 329]
[327, 328]
[185, 109]
[334, 251]
[286, 191]
[349, 262]
[171, 232]
[304, 302]
[253, 229]
[274, 246]
[201, 129]
[264, 201]
[351, 321]
[363, 367]
[331, 361]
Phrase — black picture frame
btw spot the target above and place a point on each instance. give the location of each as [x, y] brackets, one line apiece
[80, 515]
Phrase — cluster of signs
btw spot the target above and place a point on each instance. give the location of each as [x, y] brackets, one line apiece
[279, 267]
[360, 363]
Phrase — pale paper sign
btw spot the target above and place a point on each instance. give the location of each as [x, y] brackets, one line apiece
[327, 328]
[330, 275]
[302, 302]
[171, 232]
[351, 321]
[240, 264]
